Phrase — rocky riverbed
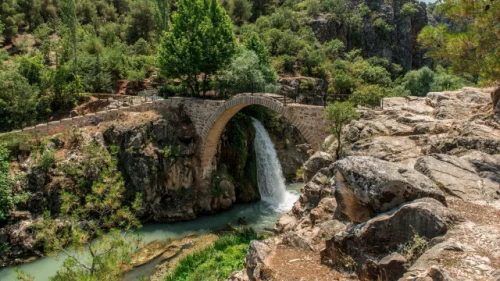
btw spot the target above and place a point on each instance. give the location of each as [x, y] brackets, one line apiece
[416, 196]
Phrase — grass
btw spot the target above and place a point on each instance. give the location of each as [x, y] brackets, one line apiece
[414, 248]
[218, 261]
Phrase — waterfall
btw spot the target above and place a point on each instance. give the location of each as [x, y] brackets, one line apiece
[269, 175]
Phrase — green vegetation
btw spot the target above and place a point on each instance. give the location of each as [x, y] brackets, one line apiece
[470, 43]
[6, 196]
[92, 207]
[340, 114]
[217, 262]
[58, 51]
[414, 248]
[200, 42]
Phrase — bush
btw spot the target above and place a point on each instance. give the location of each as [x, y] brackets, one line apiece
[409, 9]
[369, 95]
[6, 198]
[18, 101]
[47, 160]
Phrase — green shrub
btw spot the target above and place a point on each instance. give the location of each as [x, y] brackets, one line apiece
[6, 196]
[369, 95]
[409, 9]
[47, 160]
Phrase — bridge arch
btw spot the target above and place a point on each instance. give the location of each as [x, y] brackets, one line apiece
[306, 118]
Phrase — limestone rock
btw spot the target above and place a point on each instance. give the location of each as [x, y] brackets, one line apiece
[367, 245]
[366, 186]
[318, 161]
[149, 252]
[456, 176]
[258, 251]
[434, 273]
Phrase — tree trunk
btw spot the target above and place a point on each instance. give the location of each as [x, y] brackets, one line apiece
[339, 145]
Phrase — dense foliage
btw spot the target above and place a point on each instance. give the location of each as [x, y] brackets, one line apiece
[200, 43]
[6, 197]
[471, 42]
[57, 51]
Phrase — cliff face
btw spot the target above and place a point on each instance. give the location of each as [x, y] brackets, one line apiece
[396, 40]
[156, 155]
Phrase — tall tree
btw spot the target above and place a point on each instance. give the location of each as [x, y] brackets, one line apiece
[161, 16]
[11, 18]
[140, 21]
[70, 21]
[241, 11]
[200, 43]
[471, 43]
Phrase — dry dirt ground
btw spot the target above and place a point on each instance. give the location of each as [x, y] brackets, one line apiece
[294, 264]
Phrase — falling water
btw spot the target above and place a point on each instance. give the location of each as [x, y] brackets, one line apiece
[269, 175]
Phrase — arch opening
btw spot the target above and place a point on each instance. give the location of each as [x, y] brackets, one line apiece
[219, 119]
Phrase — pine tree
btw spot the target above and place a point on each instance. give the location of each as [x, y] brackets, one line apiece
[473, 48]
[11, 18]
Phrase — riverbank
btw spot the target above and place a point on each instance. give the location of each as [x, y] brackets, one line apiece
[259, 215]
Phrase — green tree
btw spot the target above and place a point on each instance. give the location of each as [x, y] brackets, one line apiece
[18, 100]
[245, 74]
[334, 49]
[141, 21]
[340, 114]
[264, 7]
[241, 11]
[96, 234]
[32, 12]
[6, 198]
[418, 82]
[161, 11]
[11, 18]
[369, 95]
[70, 21]
[473, 48]
[200, 43]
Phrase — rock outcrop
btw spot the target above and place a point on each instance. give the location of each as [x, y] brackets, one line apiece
[365, 187]
[416, 195]
[398, 44]
[369, 248]
[318, 161]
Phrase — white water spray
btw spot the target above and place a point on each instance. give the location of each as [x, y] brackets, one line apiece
[269, 175]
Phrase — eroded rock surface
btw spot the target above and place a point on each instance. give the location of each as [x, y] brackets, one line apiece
[366, 186]
[416, 195]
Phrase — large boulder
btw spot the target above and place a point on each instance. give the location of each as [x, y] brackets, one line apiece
[456, 176]
[366, 186]
[368, 247]
[257, 254]
[318, 161]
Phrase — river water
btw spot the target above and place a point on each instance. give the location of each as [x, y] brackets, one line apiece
[277, 197]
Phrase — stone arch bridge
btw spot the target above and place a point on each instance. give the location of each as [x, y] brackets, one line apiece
[209, 117]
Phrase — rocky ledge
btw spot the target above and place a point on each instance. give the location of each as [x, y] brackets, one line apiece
[415, 197]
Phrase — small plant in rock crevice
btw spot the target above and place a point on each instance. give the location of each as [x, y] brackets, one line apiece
[414, 248]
